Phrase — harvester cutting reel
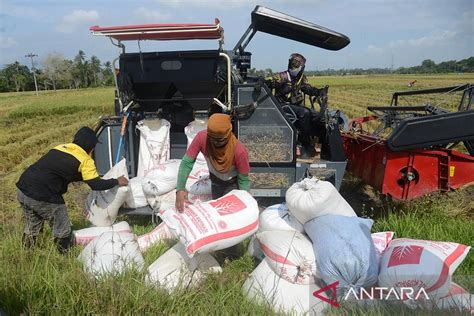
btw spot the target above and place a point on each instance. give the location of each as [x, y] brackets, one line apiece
[423, 126]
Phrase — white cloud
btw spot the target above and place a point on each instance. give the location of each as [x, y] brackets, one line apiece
[425, 41]
[435, 39]
[150, 15]
[76, 18]
[7, 42]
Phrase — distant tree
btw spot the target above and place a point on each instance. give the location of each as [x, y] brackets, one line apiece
[53, 68]
[94, 70]
[79, 70]
[16, 76]
[428, 66]
[107, 73]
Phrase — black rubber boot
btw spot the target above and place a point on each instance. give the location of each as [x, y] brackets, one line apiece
[63, 244]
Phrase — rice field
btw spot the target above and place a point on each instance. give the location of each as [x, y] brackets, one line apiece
[44, 282]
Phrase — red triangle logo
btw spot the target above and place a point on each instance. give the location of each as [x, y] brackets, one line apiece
[332, 300]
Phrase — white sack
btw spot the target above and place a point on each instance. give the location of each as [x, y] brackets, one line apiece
[102, 207]
[457, 300]
[154, 147]
[191, 130]
[176, 270]
[311, 198]
[277, 217]
[161, 179]
[199, 171]
[265, 287]
[421, 264]
[290, 254]
[158, 234]
[86, 235]
[201, 190]
[214, 225]
[136, 197]
[111, 253]
[381, 241]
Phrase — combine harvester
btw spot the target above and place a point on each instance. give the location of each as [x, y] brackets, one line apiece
[411, 153]
[183, 86]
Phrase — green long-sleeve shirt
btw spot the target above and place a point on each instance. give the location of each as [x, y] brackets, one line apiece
[186, 167]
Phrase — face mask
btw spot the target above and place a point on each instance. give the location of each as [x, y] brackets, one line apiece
[294, 72]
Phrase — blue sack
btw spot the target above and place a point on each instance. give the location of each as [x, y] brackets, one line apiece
[344, 251]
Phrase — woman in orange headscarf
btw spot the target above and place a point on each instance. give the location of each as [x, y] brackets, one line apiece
[225, 155]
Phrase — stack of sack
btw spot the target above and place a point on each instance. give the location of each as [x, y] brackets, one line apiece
[316, 241]
[202, 228]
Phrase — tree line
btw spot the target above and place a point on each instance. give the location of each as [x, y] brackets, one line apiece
[427, 67]
[57, 72]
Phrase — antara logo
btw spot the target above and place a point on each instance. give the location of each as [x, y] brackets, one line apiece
[386, 293]
[380, 293]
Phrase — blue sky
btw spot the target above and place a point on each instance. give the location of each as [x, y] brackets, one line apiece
[406, 32]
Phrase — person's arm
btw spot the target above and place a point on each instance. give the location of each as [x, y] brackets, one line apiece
[185, 169]
[310, 90]
[242, 167]
[273, 82]
[243, 181]
[99, 184]
[91, 177]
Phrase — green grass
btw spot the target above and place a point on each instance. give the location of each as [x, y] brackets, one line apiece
[44, 282]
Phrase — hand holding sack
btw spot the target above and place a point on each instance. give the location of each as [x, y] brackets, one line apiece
[214, 225]
[102, 207]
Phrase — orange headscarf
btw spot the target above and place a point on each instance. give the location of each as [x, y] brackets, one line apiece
[219, 126]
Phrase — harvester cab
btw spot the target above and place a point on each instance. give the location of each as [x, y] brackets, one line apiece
[182, 86]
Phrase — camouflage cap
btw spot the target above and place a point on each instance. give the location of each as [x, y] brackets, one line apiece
[296, 60]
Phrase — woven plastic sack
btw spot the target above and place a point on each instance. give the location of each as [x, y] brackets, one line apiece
[421, 264]
[101, 207]
[311, 198]
[201, 190]
[344, 251]
[136, 197]
[176, 270]
[266, 288]
[111, 253]
[158, 234]
[191, 130]
[214, 225]
[154, 147]
[161, 179]
[381, 241]
[86, 235]
[277, 217]
[290, 255]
